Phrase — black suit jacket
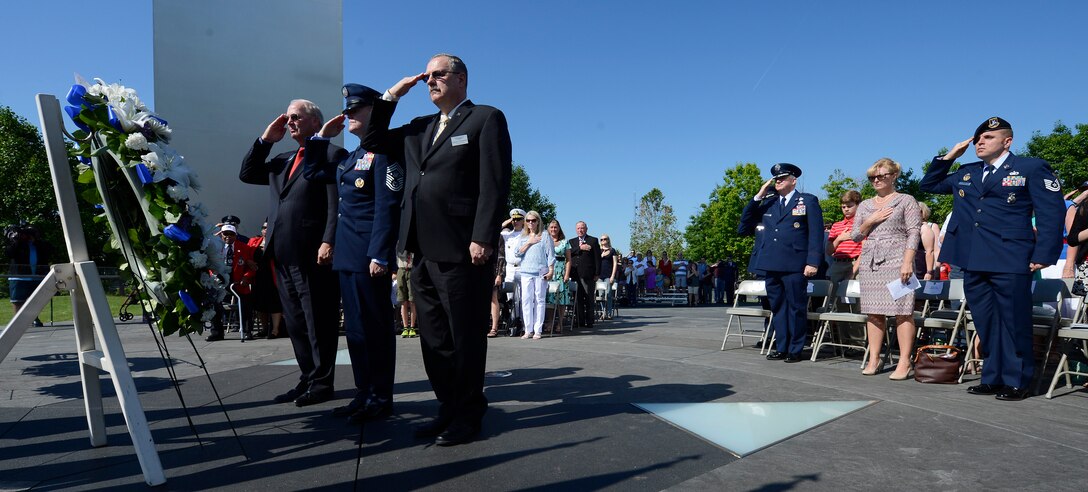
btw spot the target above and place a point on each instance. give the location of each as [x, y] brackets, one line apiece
[456, 189]
[301, 213]
[585, 264]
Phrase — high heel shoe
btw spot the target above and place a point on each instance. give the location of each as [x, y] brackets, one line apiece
[878, 370]
[895, 376]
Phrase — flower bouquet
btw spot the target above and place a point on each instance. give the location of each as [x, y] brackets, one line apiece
[144, 186]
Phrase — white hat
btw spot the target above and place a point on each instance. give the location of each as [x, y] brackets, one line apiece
[516, 213]
[228, 228]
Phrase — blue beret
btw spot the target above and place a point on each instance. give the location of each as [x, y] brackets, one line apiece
[358, 95]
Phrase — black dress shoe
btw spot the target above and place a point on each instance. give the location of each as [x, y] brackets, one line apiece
[353, 406]
[310, 398]
[985, 389]
[373, 411]
[457, 434]
[432, 428]
[290, 395]
[1012, 393]
[214, 337]
[791, 358]
[776, 356]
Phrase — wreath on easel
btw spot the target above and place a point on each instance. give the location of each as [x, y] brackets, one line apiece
[144, 186]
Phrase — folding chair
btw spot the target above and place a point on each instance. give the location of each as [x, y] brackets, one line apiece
[748, 288]
[850, 290]
[945, 308]
[600, 299]
[615, 302]
[1075, 332]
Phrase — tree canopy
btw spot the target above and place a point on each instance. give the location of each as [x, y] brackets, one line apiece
[654, 226]
[712, 231]
[1067, 152]
[525, 197]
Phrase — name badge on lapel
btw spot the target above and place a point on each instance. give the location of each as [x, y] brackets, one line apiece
[459, 140]
[365, 163]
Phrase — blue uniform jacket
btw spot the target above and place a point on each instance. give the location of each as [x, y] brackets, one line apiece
[370, 187]
[991, 229]
[792, 237]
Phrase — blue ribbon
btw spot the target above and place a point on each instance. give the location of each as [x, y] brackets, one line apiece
[76, 95]
[73, 113]
[176, 233]
[144, 173]
[190, 304]
[114, 121]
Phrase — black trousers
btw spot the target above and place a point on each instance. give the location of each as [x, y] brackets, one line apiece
[368, 324]
[311, 313]
[453, 303]
[587, 290]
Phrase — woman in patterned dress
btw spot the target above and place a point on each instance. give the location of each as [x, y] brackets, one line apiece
[889, 224]
[561, 297]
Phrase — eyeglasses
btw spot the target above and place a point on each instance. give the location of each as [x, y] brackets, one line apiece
[532, 221]
[876, 177]
[438, 74]
[782, 178]
[264, 226]
[517, 219]
[294, 117]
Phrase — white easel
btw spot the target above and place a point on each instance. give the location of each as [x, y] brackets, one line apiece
[93, 318]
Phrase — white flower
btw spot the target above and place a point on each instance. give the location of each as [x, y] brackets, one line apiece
[178, 192]
[198, 259]
[151, 122]
[207, 315]
[136, 141]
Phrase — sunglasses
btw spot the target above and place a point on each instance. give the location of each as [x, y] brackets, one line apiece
[532, 221]
[438, 74]
[876, 177]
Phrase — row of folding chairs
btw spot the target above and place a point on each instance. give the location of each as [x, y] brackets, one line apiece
[943, 307]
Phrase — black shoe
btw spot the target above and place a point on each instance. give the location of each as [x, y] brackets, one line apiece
[1011, 393]
[290, 395]
[214, 337]
[776, 355]
[310, 398]
[373, 411]
[457, 434]
[38, 323]
[790, 359]
[432, 428]
[353, 406]
[986, 389]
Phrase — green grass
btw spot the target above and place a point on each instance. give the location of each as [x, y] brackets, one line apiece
[62, 309]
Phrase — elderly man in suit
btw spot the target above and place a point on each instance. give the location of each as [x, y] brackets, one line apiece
[458, 180]
[584, 268]
[790, 250]
[992, 238]
[300, 237]
[370, 187]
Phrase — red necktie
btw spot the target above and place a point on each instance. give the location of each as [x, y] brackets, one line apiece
[298, 160]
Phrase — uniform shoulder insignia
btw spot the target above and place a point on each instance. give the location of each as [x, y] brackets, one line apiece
[1052, 184]
[394, 177]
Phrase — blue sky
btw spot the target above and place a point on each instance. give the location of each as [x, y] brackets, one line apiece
[608, 99]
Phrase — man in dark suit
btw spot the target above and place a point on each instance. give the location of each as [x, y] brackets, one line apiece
[458, 180]
[584, 268]
[790, 251]
[992, 238]
[301, 232]
[370, 187]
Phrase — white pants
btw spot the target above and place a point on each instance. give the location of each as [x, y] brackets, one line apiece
[533, 290]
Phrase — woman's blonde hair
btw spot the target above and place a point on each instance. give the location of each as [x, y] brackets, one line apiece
[883, 162]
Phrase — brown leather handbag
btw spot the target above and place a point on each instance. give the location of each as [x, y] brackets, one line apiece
[939, 364]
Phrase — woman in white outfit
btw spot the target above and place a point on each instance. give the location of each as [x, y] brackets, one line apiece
[536, 251]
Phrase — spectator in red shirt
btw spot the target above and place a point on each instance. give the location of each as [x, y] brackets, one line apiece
[664, 269]
[844, 252]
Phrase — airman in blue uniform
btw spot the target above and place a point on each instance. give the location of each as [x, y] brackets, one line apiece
[990, 236]
[370, 187]
[789, 251]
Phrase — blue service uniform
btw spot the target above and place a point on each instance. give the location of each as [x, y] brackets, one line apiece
[370, 187]
[990, 237]
[792, 237]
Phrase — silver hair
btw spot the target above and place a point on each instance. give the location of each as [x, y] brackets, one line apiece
[456, 64]
[309, 108]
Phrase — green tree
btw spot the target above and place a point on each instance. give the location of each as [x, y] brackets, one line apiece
[712, 232]
[654, 226]
[525, 197]
[26, 192]
[1066, 152]
[837, 184]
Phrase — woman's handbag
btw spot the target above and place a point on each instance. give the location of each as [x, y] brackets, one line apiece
[938, 364]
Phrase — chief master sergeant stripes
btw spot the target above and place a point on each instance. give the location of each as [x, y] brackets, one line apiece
[990, 237]
[790, 250]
